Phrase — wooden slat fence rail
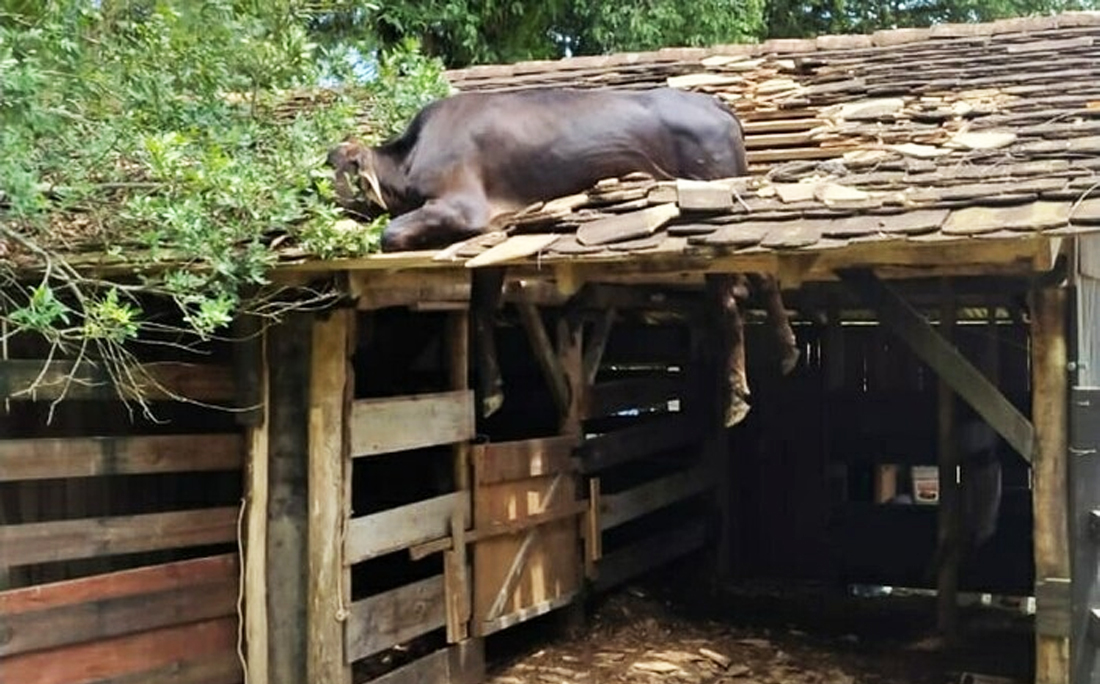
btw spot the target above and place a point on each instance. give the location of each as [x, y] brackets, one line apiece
[639, 441]
[42, 459]
[391, 618]
[124, 626]
[91, 537]
[40, 380]
[381, 426]
[622, 507]
[399, 528]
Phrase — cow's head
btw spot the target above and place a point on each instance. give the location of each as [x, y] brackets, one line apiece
[356, 179]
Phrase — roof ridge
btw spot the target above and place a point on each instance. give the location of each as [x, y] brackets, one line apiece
[882, 38]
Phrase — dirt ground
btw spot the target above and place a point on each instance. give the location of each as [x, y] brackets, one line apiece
[672, 629]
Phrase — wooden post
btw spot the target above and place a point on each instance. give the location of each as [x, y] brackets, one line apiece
[455, 566]
[572, 362]
[1049, 469]
[287, 509]
[255, 546]
[948, 514]
[707, 370]
[329, 503]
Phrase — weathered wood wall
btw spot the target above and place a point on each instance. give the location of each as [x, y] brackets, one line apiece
[119, 534]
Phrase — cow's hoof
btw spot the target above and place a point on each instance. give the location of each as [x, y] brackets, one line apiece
[491, 404]
[737, 410]
[789, 360]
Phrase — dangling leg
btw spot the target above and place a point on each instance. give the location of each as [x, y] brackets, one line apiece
[725, 290]
[767, 288]
[486, 290]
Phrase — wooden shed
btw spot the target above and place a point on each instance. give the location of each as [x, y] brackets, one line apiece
[928, 200]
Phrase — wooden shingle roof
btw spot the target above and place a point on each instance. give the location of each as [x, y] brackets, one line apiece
[952, 134]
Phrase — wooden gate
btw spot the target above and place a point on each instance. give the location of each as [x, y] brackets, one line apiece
[527, 557]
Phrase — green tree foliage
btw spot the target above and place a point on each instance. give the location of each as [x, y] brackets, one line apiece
[163, 133]
[795, 18]
[463, 32]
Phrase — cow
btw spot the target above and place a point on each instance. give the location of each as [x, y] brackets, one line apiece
[468, 160]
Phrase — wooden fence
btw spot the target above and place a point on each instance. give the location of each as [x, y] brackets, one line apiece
[118, 537]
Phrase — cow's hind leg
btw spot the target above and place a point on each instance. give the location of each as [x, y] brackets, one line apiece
[768, 289]
[724, 291]
[487, 285]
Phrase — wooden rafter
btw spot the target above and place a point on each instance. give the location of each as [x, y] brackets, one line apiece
[963, 377]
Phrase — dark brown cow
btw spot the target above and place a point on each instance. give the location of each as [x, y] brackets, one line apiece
[469, 159]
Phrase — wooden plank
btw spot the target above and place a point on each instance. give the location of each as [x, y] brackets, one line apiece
[255, 542]
[641, 557]
[949, 522]
[111, 617]
[617, 509]
[431, 669]
[515, 247]
[519, 560]
[127, 655]
[329, 466]
[594, 349]
[386, 620]
[511, 619]
[49, 542]
[148, 580]
[380, 426]
[223, 668]
[638, 441]
[613, 396]
[963, 377]
[155, 381]
[544, 354]
[496, 529]
[40, 459]
[398, 528]
[522, 459]
[290, 347]
[1050, 489]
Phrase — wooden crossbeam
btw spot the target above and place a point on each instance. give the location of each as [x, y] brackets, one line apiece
[545, 355]
[963, 377]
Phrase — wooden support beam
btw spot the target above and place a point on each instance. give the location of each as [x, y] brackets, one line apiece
[255, 542]
[949, 523]
[1050, 488]
[961, 375]
[329, 472]
[545, 355]
[289, 352]
[593, 353]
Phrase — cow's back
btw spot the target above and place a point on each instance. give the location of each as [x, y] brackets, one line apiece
[543, 143]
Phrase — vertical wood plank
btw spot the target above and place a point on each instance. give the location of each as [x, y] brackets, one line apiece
[255, 551]
[1049, 467]
[328, 451]
[948, 521]
[287, 511]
